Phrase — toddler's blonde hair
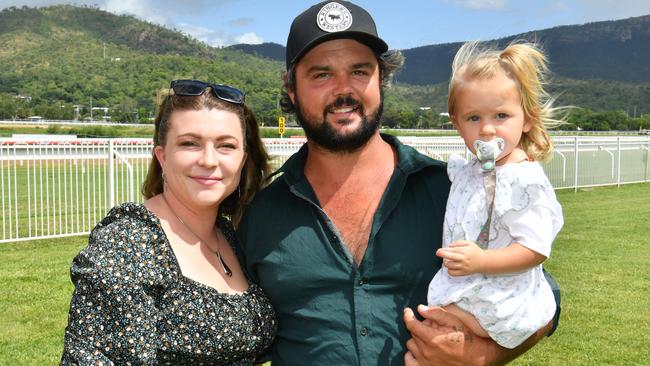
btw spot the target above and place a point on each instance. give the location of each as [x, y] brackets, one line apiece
[527, 66]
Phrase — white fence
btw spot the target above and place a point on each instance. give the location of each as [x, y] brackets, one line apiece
[63, 188]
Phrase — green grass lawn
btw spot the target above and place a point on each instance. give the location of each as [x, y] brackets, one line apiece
[35, 292]
[601, 260]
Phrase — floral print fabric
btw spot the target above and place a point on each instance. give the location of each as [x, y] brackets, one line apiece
[132, 305]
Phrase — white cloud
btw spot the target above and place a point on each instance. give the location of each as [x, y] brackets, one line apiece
[480, 4]
[166, 9]
[139, 8]
[219, 38]
[165, 12]
[250, 38]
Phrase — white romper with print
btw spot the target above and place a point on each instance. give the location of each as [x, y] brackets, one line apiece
[510, 307]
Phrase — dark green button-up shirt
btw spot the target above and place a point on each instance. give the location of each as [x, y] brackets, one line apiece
[332, 311]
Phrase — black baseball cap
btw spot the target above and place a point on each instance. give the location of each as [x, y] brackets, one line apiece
[331, 20]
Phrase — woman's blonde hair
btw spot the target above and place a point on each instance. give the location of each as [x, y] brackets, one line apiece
[256, 167]
[527, 66]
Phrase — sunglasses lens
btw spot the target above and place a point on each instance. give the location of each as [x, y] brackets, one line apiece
[228, 93]
[196, 88]
[188, 87]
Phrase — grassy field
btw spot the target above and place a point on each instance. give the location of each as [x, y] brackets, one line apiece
[600, 259]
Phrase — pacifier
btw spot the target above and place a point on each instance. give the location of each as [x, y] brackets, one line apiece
[488, 151]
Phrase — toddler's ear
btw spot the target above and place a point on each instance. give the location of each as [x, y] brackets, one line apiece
[527, 126]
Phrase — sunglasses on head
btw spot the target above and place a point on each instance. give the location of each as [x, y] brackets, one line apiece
[194, 88]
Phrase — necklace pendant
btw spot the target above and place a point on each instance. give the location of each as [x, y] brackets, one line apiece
[225, 268]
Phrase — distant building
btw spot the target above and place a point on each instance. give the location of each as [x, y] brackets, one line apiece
[105, 117]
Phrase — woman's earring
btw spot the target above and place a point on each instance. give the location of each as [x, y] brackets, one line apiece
[239, 191]
[164, 178]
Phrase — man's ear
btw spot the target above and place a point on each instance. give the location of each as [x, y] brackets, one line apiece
[292, 95]
[290, 89]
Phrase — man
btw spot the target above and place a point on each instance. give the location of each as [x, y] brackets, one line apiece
[344, 240]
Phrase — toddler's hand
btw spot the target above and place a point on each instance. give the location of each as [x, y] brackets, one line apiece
[462, 258]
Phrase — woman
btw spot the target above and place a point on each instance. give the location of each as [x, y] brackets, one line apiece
[159, 282]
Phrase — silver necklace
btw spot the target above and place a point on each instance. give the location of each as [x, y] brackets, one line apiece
[224, 266]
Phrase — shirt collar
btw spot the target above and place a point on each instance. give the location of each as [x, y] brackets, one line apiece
[409, 161]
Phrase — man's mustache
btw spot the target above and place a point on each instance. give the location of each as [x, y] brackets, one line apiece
[347, 101]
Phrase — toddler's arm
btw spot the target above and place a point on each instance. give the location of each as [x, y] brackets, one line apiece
[464, 257]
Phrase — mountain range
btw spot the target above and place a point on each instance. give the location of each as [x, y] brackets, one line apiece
[617, 50]
[58, 58]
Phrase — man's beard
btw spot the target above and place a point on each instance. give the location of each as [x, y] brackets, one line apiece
[322, 134]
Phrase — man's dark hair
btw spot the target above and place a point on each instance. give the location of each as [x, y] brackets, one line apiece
[389, 63]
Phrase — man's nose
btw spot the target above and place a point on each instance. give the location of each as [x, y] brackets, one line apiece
[342, 85]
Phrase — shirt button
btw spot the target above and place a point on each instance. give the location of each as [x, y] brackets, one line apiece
[364, 331]
[362, 282]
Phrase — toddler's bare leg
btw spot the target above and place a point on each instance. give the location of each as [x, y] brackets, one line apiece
[468, 319]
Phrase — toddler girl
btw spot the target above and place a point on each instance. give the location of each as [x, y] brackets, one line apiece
[502, 214]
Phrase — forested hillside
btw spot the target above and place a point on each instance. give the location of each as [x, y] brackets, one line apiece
[96, 24]
[61, 56]
[269, 50]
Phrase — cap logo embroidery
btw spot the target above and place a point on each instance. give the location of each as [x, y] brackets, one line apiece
[334, 17]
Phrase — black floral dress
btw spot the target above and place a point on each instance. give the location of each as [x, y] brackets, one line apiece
[132, 305]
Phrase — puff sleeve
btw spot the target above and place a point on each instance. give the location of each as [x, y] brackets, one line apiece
[533, 217]
[112, 317]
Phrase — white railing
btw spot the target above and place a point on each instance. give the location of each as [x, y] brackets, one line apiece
[63, 188]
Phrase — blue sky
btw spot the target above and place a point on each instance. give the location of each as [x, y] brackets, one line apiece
[402, 24]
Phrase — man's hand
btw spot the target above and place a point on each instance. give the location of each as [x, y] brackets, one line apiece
[462, 258]
[442, 339]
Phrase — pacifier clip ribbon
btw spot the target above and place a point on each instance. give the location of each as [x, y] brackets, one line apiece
[487, 153]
